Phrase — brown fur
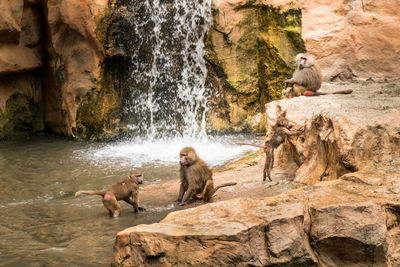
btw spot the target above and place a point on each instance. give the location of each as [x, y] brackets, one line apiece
[281, 132]
[196, 178]
[306, 77]
[127, 190]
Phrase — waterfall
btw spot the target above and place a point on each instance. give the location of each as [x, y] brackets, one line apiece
[167, 94]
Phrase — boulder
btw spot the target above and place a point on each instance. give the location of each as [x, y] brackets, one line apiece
[330, 224]
[343, 133]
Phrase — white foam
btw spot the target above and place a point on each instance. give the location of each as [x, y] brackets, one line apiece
[135, 153]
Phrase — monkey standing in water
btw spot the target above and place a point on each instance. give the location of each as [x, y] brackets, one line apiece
[127, 190]
[281, 132]
[196, 178]
[306, 79]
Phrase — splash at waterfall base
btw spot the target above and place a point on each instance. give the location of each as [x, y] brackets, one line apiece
[340, 208]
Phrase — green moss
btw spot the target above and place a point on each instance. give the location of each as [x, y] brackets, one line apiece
[275, 55]
[22, 116]
[261, 58]
[270, 39]
[97, 112]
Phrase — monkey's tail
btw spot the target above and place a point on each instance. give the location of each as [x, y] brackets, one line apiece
[245, 144]
[343, 92]
[222, 185]
[95, 192]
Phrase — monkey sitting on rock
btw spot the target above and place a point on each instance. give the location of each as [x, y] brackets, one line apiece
[281, 132]
[196, 178]
[127, 190]
[306, 79]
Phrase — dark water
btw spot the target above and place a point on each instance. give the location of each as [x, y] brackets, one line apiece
[42, 224]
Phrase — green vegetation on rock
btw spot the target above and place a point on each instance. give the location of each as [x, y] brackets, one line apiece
[21, 116]
[97, 113]
[251, 62]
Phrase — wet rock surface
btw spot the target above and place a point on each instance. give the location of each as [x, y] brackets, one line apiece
[347, 218]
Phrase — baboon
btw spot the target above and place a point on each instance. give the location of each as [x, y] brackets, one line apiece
[306, 79]
[126, 190]
[196, 178]
[281, 132]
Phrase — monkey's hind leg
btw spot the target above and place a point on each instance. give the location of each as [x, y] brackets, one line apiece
[208, 191]
[269, 163]
[266, 164]
[112, 205]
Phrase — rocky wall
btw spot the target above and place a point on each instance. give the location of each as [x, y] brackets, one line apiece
[21, 62]
[353, 39]
[79, 99]
[250, 48]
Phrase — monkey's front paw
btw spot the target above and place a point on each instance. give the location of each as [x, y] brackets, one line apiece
[182, 204]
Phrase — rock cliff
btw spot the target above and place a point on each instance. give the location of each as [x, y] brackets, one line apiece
[21, 61]
[345, 211]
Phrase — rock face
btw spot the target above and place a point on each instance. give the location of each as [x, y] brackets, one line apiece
[345, 214]
[249, 51]
[74, 72]
[51, 76]
[21, 61]
[353, 38]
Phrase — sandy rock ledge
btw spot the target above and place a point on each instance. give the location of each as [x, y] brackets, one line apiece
[346, 213]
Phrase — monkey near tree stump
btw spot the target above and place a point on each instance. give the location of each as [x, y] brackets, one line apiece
[126, 190]
[281, 132]
[196, 178]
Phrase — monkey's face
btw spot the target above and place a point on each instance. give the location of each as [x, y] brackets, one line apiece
[285, 123]
[303, 62]
[136, 176]
[187, 156]
[139, 179]
[184, 159]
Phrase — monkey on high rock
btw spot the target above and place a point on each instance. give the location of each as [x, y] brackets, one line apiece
[306, 79]
[127, 190]
[196, 178]
[281, 132]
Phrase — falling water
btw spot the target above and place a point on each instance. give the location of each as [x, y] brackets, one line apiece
[168, 72]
